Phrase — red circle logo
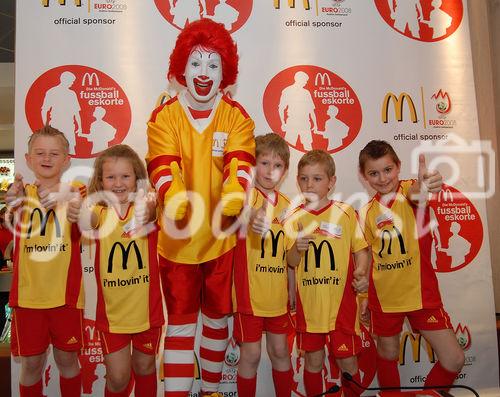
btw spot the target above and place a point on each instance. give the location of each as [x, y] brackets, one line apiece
[423, 20]
[231, 13]
[87, 105]
[312, 108]
[459, 232]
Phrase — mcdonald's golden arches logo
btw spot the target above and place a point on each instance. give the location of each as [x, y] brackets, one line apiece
[317, 249]
[44, 220]
[292, 4]
[274, 243]
[398, 103]
[125, 253]
[46, 3]
[387, 236]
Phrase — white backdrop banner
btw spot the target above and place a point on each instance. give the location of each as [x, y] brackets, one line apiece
[328, 74]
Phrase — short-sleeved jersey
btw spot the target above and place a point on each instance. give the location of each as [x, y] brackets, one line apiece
[326, 300]
[204, 151]
[402, 278]
[260, 282]
[126, 268]
[47, 264]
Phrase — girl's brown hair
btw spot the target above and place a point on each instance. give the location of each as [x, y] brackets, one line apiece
[119, 151]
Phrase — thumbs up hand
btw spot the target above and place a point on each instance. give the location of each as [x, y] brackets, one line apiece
[140, 208]
[259, 220]
[233, 195]
[74, 205]
[431, 181]
[302, 242]
[176, 200]
[49, 197]
[15, 194]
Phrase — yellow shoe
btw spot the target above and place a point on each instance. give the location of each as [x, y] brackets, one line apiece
[213, 394]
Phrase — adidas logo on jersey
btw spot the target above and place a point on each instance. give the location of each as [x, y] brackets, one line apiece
[72, 341]
[148, 345]
[342, 348]
[276, 221]
[432, 320]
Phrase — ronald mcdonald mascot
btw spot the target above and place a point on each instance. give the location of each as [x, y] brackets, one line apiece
[200, 151]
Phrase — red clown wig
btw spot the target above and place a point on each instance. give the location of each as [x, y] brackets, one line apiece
[209, 35]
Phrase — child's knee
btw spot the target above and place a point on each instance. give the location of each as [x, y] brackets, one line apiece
[314, 361]
[65, 359]
[144, 365]
[250, 353]
[117, 380]
[348, 364]
[33, 364]
[279, 352]
[388, 352]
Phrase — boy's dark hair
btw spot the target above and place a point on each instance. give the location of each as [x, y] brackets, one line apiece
[48, 130]
[318, 157]
[374, 150]
[272, 143]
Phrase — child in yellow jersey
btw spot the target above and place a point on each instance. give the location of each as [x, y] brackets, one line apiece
[260, 282]
[46, 293]
[397, 216]
[331, 259]
[129, 302]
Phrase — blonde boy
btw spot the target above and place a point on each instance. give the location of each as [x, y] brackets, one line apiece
[46, 293]
[260, 273]
[330, 256]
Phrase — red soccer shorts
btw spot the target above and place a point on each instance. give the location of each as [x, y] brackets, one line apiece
[390, 324]
[249, 328]
[184, 285]
[34, 329]
[146, 341]
[340, 344]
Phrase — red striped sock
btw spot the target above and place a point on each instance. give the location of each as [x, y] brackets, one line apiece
[246, 386]
[313, 382]
[71, 387]
[214, 339]
[283, 381]
[35, 390]
[178, 356]
[440, 376]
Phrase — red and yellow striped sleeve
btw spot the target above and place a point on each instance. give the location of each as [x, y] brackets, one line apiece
[240, 144]
[163, 147]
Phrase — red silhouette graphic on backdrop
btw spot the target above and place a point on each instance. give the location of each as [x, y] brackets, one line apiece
[87, 105]
[312, 108]
[423, 20]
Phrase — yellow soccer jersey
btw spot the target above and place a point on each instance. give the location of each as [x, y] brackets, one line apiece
[402, 277]
[260, 283]
[128, 298]
[47, 265]
[203, 152]
[326, 300]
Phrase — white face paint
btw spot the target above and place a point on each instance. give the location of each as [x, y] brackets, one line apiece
[203, 75]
